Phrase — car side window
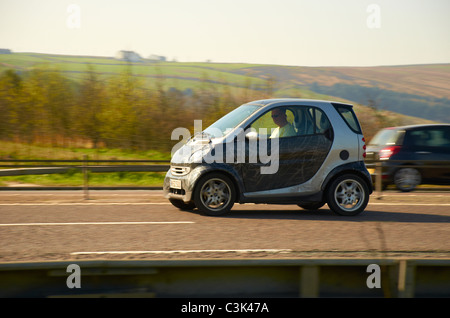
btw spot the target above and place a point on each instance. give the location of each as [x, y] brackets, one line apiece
[311, 120]
[418, 138]
[321, 122]
[300, 121]
[438, 138]
[434, 137]
[446, 137]
[267, 124]
[304, 122]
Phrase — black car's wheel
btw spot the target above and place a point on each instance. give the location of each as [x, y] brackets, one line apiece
[182, 205]
[348, 195]
[214, 194]
[407, 179]
[311, 205]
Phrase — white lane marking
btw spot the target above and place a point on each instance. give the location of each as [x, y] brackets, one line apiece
[412, 204]
[97, 223]
[168, 203]
[81, 203]
[186, 251]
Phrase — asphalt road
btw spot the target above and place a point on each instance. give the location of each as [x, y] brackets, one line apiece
[63, 225]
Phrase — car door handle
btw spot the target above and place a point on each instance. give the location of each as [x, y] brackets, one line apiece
[423, 152]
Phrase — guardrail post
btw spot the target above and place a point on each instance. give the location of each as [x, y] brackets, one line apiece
[406, 279]
[389, 280]
[309, 281]
[85, 178]
[378, 180]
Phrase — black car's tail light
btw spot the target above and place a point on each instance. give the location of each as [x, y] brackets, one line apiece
[388, 152]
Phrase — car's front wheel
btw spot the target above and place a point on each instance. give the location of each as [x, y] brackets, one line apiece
[407, 179]
[214, 194]
[348, 195]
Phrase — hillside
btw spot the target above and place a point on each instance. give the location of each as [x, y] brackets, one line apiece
[421, 91]
[416, 90]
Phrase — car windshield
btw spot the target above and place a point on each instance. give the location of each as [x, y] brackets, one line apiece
[228, 122]
[385, 137]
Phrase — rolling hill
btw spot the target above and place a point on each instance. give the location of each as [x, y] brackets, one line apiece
[421, 91]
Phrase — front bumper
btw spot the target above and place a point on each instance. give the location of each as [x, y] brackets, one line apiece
[181, 187]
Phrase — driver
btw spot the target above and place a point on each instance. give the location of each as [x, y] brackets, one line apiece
[285, 128]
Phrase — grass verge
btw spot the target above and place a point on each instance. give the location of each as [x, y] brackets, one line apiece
[75, 178]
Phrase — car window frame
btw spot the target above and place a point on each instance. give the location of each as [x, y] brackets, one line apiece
[295, 113]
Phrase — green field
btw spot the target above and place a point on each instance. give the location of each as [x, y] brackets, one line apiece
[405, 79]
[76, 179]
[290, 81]
[179, 75]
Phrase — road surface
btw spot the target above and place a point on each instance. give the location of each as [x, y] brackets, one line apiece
[135, 225]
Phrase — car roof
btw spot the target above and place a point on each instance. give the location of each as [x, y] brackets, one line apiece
[274, 101]
[406, 127]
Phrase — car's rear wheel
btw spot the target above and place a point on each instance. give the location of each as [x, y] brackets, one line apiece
[407, 179]
[182, 205]
[214, 194]
[348, 195]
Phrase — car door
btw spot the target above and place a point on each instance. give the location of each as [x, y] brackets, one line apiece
[299, 155]
[430, 148]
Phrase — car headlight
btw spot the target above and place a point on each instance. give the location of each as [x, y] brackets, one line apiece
[179, 170]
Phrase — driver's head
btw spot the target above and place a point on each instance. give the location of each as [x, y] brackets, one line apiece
[279, 117]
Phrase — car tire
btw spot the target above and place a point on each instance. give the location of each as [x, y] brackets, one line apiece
[347, 195]
[311, 205]
[214, 194]
[180, 204]
[407, 179]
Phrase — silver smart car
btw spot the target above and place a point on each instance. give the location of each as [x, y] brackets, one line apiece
[276, 151]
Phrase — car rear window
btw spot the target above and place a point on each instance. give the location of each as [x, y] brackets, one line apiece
[349, 116]
[385, 137]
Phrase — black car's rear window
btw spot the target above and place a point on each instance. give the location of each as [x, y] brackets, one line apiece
[385, 137]
[346, 112]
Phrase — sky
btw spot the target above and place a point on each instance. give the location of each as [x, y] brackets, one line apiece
[283, 32]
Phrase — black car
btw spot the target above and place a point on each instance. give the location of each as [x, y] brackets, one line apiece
[411, 155]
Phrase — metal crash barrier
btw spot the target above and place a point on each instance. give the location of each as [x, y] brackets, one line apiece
[229, 278]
